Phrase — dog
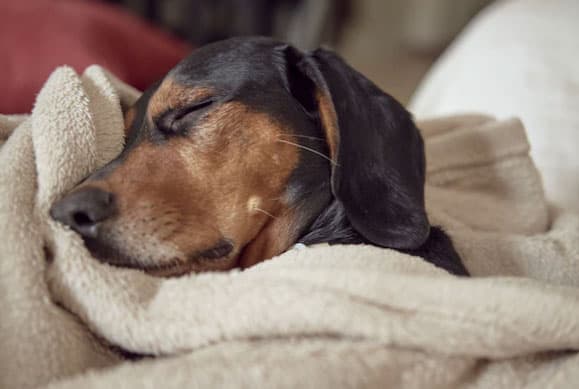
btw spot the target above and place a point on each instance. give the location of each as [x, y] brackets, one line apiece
[247, 147]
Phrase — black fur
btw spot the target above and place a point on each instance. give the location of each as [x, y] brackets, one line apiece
[333, 227]
[377, 185]
[375, 192]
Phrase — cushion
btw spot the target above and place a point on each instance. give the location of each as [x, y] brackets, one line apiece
[518, 58]
[36, 36]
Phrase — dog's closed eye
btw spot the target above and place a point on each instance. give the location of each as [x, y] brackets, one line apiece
[177, 121]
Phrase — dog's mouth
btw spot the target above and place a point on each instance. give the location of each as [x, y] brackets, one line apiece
[217, 258]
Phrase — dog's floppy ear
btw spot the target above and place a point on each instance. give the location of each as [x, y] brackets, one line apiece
[377, 152]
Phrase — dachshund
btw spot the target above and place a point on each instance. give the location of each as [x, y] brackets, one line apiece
[247, 147]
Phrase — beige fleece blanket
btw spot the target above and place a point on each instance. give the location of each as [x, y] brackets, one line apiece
[319, 317]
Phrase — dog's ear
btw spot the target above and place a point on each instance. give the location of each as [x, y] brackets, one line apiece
[377, 151]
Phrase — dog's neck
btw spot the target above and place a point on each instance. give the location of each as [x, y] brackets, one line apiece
[333, 227]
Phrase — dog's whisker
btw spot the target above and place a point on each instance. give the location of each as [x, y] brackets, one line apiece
[264, 212]
[304, 136]
[310, 150]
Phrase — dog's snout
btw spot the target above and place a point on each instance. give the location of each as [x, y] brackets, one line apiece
[84, 210]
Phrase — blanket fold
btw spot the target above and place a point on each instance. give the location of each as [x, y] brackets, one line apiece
[323, 316]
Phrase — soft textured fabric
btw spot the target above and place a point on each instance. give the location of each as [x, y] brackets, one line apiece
[319, 317]
[518, 57]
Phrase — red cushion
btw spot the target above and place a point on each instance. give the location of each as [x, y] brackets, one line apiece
[38, 35]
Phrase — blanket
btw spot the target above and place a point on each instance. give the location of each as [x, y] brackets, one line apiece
[320, 317]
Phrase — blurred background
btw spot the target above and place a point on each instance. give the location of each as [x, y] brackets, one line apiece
[393, 42]
[517, 58]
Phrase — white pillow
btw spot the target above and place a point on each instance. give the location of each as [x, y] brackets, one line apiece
[518, 58]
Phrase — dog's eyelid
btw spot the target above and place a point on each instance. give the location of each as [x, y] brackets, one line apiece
[169, 123]
[182, 112]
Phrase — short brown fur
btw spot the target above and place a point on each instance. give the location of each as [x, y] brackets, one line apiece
[129, 118]
[226, 182]
[329, 121]
[171, 95]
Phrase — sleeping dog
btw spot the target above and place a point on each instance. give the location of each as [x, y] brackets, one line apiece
[247, 147]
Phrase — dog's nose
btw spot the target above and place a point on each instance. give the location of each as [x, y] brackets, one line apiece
[84, 210]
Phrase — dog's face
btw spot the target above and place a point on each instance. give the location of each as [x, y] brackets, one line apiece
[237, 151]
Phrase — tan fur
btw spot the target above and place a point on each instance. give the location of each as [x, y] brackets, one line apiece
[171, 95]
[276, 237]
[181, 197]
[129, 118]
[329, 121]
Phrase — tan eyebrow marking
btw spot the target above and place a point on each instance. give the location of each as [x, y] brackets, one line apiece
[171, 94]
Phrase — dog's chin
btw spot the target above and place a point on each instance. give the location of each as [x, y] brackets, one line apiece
[220, 257]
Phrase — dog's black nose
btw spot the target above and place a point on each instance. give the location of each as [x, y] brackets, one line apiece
[84, 210]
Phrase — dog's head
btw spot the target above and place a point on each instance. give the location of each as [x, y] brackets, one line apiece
[246, 147]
